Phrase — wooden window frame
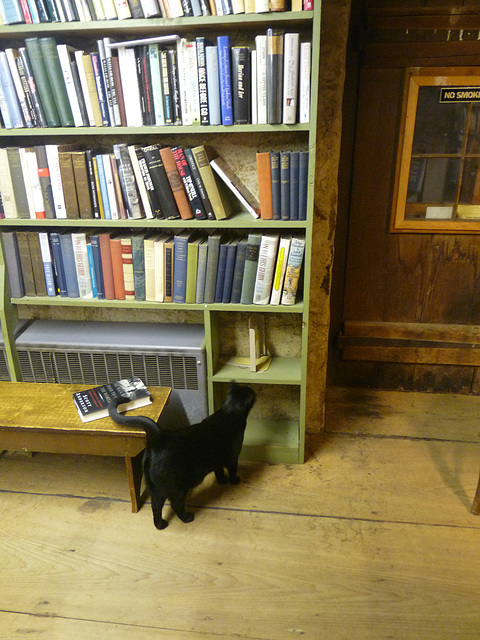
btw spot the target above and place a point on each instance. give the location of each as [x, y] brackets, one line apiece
[415, 78]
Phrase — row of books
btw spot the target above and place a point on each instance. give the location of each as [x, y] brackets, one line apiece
[52, 181]
[37, 11]
[187, 267]
[55, 182]
[160, 81]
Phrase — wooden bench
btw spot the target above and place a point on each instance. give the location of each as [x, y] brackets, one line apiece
[43, 418]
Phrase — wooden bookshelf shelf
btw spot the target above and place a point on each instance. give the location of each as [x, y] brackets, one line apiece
[276, 441]
[281, 371]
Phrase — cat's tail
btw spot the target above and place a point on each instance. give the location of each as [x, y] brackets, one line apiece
[151, 428]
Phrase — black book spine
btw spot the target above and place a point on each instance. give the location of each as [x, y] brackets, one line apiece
[160, 182]
[207, 205]
[202, 81]
[189, 183]
[274, 75]
[153, 195]
[26, 89]
[241, 80]
[166, 89]
[42, 121]
[139, 53]
[91, 183]
[174, 87]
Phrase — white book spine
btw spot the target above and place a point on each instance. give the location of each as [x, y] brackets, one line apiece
[140, 183]
[107, 170]
[10, 93]
[56, 180]
[131, 95]
[159, 259]
[122, 9]
[114, 108]
[47, 262]
[304, 81]
[183, 81]
[290, 77]
[193, 94]
[253, 67]
[261, 49]
[79, 242]
[175, 8]
[280, 268]
[109, 9]
[157, 90]
[37, 194]
[265, 269]
[17, 83]
[64, 57]
[83, 83]
[6, 187]
[219, 7]
[106, 80]
[27, 182]
[261, 6]
[150, 8]
[7, 120]
[213, 84]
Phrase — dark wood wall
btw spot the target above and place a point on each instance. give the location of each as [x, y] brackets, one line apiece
[410, 311]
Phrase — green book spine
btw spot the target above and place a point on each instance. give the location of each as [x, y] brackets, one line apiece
[55, 75]
[42, 81]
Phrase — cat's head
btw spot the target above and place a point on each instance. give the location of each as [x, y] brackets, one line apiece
[240, 399]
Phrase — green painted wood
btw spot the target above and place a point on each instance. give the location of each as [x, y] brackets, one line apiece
[277, 441]
[280, 371]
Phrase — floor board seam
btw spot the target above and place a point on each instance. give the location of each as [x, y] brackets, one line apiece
[382, 436]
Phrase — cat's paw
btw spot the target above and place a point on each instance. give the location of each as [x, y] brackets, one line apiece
[234, 480]
[160, 523]
[187, 517]
[221, 478]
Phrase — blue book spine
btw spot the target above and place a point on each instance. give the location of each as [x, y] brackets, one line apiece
[222, 261]
[225, 76]
[302, 185]
[239, 271]
[10, 93]
[180, 248]
[100, 86]
[69, 265]
[103, 188]
[12, 13]
[7, 121]
[229, 270]
[294, 185]
[285, 185]
[275, 178]
[91, 268]
[97, 265]
[58, 264]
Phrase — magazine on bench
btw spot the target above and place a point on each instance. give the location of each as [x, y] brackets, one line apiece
[92, 404]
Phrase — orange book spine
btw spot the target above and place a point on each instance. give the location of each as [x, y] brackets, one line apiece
[176, 183]
[117, 268]
[264, 185]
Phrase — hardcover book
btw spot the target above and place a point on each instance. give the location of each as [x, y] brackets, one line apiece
[92, 404]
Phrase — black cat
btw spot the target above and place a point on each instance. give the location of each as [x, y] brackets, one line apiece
[178, 460]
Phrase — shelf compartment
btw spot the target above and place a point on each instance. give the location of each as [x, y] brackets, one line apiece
[281, 371]
[275, 441]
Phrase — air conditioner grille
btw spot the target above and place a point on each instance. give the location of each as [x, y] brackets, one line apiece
[36, 366]
[4, 372]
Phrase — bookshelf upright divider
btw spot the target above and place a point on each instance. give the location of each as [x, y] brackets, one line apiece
[276, 430]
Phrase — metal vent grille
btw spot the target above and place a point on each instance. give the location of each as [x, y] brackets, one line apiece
[4, 372]
[36, 366]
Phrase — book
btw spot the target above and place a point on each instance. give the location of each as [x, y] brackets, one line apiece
[213, 84]
[11, 57]
[292, 273]
[80, 172]
[274, 75]
[217, 201]
[37, 263]
[280, 268]
[201, 272]
[238, 270]
[192, 265]
[168, 254]
[89, 88]
[107, 267]
[127, 264]
[31, 91]
[97, 265]
[250, 270]
[236, 186]
[138, 258]
[266, 265]
[264, 176]
[48, 46]
[290, 78]
[44, 179]
[231, 253]
[180, 257]
[127, 181]
[6, 187]
[162, 181]
[10, 95]
[304, 74]
[141, 182]
[213, 243]
[117, 265]
[18, 182]
[69, 267]
[285, 185]
[92, 404]
[225, 78]
[61, 283]
[241, 85]
[202, 80]
[47, 263]
[185, 174]
[153, 195]
[261, 59]
[197, 178]
[26, 263]
[100, 88]
[68, 184]
[80, 252]
[12, 261]
[65, 57]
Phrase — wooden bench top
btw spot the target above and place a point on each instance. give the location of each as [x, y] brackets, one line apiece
[50, 407]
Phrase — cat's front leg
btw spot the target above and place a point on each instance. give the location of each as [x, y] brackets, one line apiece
[221, 476]
[232, 473]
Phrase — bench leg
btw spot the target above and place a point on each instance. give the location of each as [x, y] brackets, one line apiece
[134, 475]
[476, 501]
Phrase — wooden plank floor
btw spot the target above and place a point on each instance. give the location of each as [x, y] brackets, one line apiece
[371, 539]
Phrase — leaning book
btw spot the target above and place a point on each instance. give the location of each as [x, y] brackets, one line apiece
[92, 404]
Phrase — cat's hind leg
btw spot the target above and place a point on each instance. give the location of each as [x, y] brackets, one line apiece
[177, 500]
[158, 500]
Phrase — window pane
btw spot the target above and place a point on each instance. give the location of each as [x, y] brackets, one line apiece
[433, 180]
[439, 128]
[470, 190]
[473, 144]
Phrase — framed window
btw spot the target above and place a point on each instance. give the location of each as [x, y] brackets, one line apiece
[437, 186]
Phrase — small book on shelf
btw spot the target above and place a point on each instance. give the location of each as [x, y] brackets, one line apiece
[92, 404]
